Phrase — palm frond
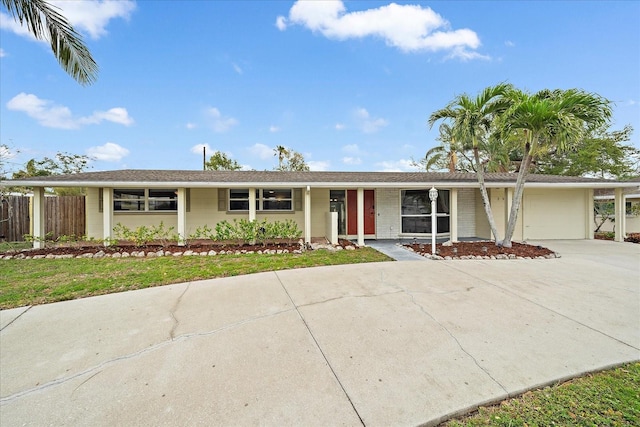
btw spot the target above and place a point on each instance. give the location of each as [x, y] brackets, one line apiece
[45, 22]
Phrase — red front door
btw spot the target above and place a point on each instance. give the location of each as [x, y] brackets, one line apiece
[369, 212]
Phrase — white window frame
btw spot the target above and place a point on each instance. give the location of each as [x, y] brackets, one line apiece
[260, 199]
[145, 200]
[428, 215]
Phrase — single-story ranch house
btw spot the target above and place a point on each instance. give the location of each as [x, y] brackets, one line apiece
[355, 205]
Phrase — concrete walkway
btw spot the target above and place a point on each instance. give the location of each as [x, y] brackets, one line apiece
[397, 343]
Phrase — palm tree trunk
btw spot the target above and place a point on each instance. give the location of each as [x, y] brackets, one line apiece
[517, 196]
[485, 197]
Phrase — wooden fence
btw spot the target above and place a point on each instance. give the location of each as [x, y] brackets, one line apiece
[64, 216]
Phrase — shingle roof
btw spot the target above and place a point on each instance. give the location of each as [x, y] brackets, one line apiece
[211, 178]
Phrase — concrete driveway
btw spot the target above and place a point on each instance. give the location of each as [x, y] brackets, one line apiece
[398, 343]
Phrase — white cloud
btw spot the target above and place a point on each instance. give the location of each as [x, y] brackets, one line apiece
[2, 53]
[219, 122]
[351, 148]
[237, 68]
[402, 165]
[116, 115]
[197, 149]
[109, 152]
[509, 43]
[317, 165]
[191, 126]
[632, 102]
[274, 129]
[351, 160]
[465, 55]
[51, 115]
[261, 151]
[340, 126]
[90, 17]
[367, 123]
[281, 23]
[409, 28]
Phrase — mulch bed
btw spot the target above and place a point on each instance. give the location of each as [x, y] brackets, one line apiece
[197, 247]
[484, 248]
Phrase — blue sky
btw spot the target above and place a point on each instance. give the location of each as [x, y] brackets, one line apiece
[348, 84]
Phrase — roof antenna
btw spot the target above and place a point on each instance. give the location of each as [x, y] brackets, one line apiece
[204, 157]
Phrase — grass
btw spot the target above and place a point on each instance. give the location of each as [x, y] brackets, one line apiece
[609, 398]
[40, 281]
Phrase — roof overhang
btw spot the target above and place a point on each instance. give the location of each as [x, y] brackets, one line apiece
[303, 184]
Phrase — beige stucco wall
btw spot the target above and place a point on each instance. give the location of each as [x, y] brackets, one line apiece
[319, 207]
[203, 210]
[93, 218]
[545, 213]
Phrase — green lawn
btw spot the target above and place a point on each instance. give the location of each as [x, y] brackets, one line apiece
[40, 281]
[609, 398]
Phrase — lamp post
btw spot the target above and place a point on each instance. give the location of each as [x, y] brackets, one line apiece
[433, 195]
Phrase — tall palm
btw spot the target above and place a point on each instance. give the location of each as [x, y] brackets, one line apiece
[449, 155]
[282, 152]
[548, 120]
[471, 119]
[45, 22]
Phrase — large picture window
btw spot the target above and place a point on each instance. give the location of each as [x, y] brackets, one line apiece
[416, 211]
[266, 200]
[145, 200]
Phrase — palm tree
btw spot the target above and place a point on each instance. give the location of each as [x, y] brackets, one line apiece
[282, 152]
[471, 120]
[545, 121]
[445, 155]
[45, 22]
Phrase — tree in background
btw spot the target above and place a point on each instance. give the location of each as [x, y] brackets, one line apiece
[219, 161]
[282, 152]
[290, 160]
[64, 163]
[600, 154]
[45, 22]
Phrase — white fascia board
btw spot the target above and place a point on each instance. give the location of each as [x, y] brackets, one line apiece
[337, 185]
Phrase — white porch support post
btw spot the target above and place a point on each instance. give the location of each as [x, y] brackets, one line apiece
[252, 204]
[38, 217]
[619, 215]
[453, 215]
[107, 215]
[182, 216]
[307, 215]
[590, 223]
[360, 213]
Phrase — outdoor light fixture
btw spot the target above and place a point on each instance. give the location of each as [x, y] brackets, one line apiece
[433, 195]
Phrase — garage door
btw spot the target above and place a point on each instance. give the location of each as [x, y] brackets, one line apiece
[554, 214]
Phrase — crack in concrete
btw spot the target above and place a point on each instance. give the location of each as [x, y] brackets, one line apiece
[173, 310]
[460, 346]
[348, 296]
[17, 317]
[105, 364]
[333, 371]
